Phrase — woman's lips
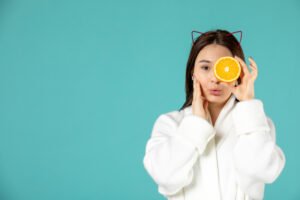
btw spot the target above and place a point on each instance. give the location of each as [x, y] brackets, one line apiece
[215, 92]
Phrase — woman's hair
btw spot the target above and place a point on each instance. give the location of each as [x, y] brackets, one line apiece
[220, 37]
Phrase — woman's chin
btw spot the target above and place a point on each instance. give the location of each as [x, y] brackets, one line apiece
[215, 98]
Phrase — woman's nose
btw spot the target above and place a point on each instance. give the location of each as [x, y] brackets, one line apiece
[213, 78]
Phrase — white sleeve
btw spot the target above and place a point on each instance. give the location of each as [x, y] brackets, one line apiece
[257, 158]
[173, 149]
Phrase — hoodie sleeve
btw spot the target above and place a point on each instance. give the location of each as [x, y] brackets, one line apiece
[257, 158]
[173, 149]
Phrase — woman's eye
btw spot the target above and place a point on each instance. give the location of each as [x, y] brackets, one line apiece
[205, 67]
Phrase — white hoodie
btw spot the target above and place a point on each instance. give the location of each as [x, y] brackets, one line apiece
[189, 159]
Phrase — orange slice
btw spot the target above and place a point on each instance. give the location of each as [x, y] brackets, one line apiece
[227, 69]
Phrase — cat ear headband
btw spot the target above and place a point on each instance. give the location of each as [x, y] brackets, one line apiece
[232, 33]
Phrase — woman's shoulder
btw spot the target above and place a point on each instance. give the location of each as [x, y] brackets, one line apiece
[167, 122]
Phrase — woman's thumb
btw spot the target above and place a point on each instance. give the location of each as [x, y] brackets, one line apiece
[206, 105]
[206, 108]
[207, 111]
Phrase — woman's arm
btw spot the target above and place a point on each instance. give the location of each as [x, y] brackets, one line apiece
[173, 149]
[257, 158]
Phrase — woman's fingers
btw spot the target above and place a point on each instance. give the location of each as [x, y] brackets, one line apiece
[195, 89]
[243, 65]
[195, 94]
[206, 110]
[199, 90]
[252, 62]
[253, 67]
[200, 105]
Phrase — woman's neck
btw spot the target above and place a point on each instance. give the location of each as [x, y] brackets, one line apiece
[214, 110]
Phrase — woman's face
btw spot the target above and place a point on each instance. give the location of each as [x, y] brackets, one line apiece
[204, 73]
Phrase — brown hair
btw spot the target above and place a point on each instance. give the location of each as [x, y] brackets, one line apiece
[220, 37]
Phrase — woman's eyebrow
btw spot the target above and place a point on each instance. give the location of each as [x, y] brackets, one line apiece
[206, 61]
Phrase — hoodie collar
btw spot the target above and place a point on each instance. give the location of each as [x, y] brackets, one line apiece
[225, 110]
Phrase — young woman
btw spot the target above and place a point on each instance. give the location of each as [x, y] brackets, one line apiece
[220, 145]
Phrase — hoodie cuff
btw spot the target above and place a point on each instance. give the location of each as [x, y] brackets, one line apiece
[196, 131]
[249, 116]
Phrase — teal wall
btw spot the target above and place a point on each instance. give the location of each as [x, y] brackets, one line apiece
[81, 83]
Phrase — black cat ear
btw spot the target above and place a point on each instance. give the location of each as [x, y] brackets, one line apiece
[195, 32]
[239, 36]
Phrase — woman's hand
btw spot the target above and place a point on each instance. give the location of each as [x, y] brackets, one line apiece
[245, 90]
[199, 104]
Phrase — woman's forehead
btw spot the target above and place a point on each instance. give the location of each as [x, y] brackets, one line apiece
[212, 52]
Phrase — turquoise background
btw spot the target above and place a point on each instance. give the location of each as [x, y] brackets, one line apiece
[82, 82]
